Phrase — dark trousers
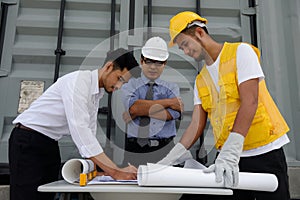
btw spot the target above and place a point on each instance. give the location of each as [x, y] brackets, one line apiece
[272, 162]
[34, 159]
[137, 155]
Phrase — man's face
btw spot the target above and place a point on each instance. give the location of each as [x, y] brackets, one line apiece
[152, 69]
[190, 46]
[115, 79]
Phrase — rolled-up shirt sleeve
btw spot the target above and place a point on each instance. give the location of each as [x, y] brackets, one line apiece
[79, 112]
[129, 94]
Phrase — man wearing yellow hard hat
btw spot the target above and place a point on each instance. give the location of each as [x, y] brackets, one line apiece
[230, 90]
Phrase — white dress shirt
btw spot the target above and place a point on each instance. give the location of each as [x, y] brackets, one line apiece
[68, 107]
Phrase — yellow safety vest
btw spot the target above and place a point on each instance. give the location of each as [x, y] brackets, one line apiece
[267, 125]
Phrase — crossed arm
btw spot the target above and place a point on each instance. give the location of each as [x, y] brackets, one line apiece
[154, 109]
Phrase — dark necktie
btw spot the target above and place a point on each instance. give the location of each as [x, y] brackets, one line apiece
[143, 132]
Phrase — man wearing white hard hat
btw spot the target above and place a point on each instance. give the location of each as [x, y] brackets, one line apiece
[152, 106]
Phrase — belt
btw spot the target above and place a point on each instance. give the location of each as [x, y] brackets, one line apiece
[152, 142]
[21, 126]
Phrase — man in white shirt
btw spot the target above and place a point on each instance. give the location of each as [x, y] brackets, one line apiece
[68, 107]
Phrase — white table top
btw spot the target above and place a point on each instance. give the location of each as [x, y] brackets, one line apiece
[63, 186]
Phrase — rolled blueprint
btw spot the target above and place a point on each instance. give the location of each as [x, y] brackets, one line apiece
[73, 168]
[161, 175]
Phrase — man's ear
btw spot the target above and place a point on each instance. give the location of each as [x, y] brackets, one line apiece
[109, 66]
[199, 33]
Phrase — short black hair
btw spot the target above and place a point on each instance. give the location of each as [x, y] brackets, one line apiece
[122, 59]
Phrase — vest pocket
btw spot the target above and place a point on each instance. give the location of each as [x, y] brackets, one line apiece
[206, 99]
[222, 128]
[228, 88]
[261, 129]
[259, 132]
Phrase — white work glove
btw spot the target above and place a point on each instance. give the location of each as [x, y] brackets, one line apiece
[227, 162]
[177, 155]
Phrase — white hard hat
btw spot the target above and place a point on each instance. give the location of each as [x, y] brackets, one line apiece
[156, 49]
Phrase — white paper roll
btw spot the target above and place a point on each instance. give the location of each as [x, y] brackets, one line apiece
[160, 175]
[74, 167]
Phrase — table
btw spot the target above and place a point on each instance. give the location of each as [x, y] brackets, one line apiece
[130, 192]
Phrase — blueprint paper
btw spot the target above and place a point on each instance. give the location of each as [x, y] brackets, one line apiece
[161, 175]
[74, 167]
[108, 180]
[193, 164]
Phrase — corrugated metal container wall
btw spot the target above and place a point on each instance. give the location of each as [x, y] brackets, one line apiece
[279, 30]
[279, 37]
[31, 38]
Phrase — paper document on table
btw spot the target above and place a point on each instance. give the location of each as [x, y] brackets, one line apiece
[193, 164]
[78, 171]
[109, 180]
[83, 172]
[161, 175]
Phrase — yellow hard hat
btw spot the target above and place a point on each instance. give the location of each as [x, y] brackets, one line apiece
[180, 21]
